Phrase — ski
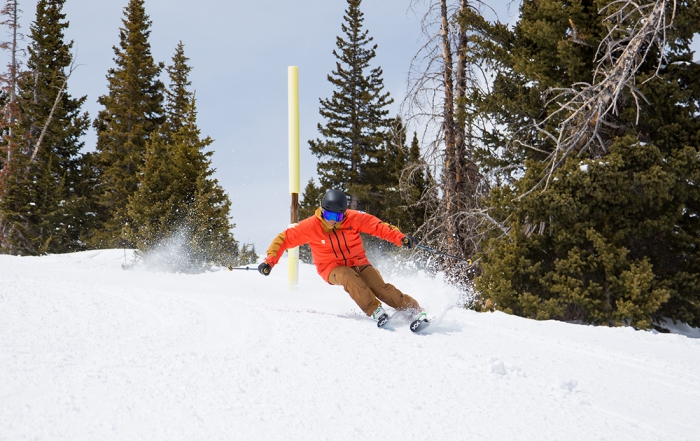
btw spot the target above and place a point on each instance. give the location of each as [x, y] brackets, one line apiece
[419, 325]
[415, 326]
[382, 320]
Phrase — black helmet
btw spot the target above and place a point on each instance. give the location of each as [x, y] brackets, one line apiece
[335, 200]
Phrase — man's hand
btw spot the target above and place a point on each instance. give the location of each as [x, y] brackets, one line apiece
[264, 269]
[408, 241]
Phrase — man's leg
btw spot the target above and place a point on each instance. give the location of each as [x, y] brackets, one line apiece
[356, 287]
[387, 292]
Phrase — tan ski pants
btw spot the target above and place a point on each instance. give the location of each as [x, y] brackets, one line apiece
[367, 288]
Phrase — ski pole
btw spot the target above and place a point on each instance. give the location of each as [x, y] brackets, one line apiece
[246, 268]
[423, 247]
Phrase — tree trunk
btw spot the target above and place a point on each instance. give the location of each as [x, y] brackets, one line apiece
[11, 10]
[450, 175]
[460, 179]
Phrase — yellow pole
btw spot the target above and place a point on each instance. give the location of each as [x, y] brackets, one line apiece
[294, 174]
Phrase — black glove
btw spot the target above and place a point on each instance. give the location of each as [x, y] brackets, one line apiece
[408, 241]
[264, 269]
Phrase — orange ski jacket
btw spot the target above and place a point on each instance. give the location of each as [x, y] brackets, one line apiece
[333, 246]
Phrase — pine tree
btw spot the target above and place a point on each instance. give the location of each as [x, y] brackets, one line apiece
[383, 176]
[399, 181]
[310, 201]
[40, 209]
[133, 111]
[178, 205]
[247, 254]
[178, 95]
[355, 114]
[421, 178]
[613, 236]
[416, 181]
[209, 227]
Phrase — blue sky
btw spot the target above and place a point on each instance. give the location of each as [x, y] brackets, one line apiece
[240, 51]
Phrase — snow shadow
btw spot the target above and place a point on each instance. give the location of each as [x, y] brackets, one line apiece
[680, 328]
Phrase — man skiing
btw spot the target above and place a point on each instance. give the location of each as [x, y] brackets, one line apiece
[333, 233]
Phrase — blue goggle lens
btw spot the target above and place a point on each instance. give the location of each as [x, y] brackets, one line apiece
[333, 216]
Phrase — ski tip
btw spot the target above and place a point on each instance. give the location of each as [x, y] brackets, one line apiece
[381, 321]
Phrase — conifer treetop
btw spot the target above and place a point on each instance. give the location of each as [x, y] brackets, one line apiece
[135, 63]
[49, 14]
[178, 95]
[355, 114]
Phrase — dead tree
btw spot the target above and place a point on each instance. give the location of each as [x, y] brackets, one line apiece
[440, 78]
[10, 111]
[9, 79]
[57, 101]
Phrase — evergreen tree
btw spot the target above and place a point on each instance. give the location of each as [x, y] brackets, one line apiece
[40, 209]
[310, 201]
[613, 237]
[416, 180]
[178, 205]
[400, 180]
[133, 111]
[384, 197]
[247, 254]
[355, 114]
[209, 227]
[178, 95]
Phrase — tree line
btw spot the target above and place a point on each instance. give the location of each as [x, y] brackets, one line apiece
[148, 183]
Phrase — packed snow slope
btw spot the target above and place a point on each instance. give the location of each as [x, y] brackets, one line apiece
[89, 351]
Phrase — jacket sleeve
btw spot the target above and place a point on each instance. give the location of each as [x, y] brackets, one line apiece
[373, 225]
[289, 238]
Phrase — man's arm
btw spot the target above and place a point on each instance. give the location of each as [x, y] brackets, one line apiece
[289, 238]
[376, 227]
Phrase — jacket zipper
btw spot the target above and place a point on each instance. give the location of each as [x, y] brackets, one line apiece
[340, 247]
[345, 239]
[332, 247]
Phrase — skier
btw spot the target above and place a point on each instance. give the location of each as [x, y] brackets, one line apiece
[333, 233]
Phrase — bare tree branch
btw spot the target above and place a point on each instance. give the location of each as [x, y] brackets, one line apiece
[61, 91]
[634, 29]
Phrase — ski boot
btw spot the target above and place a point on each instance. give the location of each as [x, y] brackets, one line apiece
[420, 322]
[380, 316]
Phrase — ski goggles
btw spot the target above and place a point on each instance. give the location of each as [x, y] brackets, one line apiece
[333, 216]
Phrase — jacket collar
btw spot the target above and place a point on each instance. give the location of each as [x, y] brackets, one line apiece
[328, 228]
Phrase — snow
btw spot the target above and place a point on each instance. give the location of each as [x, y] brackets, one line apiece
[89, 351]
